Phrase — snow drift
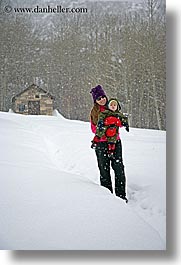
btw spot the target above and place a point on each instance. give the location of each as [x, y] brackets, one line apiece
[50, 196]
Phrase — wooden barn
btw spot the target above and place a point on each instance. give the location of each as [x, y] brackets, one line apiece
[33, 101]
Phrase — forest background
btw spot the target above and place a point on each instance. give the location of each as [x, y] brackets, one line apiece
[118, 44]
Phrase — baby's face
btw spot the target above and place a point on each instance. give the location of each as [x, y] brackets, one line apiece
[113, 106]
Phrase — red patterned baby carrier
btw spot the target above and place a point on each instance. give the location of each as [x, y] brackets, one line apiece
[113, 123]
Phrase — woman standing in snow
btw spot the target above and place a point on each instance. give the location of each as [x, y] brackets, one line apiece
[101, 150]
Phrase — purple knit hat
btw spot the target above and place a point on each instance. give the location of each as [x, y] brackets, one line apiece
[97, 92]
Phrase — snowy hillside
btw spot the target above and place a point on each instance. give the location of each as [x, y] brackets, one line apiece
[50, 197]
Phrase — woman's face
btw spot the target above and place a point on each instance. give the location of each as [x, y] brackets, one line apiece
[101, 101]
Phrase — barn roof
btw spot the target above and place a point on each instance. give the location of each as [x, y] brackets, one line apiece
[34, 87]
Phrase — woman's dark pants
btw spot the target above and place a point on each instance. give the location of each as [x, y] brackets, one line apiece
[116, 162]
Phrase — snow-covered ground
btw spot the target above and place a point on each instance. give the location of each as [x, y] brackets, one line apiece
[50, 197]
